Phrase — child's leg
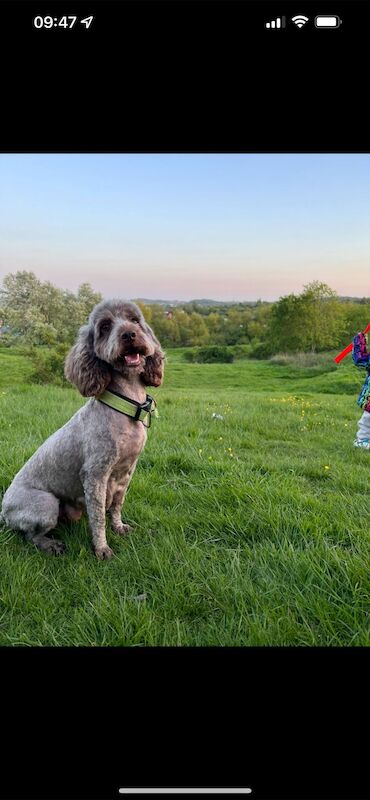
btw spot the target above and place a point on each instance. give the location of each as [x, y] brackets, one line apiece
[363, 431]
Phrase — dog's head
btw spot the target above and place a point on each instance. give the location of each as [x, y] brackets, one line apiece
[115, 338]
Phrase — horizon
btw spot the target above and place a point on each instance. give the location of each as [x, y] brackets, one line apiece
[227, 227]
[199, 300]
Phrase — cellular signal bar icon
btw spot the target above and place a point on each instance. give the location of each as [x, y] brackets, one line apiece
[279, 22]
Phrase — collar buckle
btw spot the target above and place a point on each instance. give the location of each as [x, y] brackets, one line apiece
[146, 406]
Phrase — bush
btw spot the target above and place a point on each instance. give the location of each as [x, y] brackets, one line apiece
[262, 350]
[304, 360]
[189, 355]
[6, 340]
[210, 355]
[49, 365]
[241, 350]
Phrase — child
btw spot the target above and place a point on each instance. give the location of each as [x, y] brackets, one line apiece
[361, 358]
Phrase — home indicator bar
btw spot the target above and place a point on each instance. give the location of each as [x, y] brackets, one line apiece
[190, 790]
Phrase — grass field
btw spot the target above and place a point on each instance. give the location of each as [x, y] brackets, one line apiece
[249, 530]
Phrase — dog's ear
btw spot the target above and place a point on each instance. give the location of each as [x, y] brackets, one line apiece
[153, 371]
[89, 373]
[154, 365]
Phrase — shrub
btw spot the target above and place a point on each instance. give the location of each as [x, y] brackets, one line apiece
[215, 354]
[189, 355]
[6, 340]
[49, 365]
[304, 360]
[262, 350]
[241, 350]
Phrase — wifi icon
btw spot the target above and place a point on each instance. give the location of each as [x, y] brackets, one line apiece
[299, 20]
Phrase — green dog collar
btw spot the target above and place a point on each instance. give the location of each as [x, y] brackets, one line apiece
[138, 411]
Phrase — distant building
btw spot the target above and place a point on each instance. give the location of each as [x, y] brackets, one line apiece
[168, 314]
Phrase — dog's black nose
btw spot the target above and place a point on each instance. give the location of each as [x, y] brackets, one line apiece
[128, 335]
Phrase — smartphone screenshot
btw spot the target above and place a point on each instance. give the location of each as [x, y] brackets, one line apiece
[184, 399]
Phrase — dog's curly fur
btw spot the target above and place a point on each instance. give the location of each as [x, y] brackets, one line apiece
[88, 463]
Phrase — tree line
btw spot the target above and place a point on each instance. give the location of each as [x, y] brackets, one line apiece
[39, 313]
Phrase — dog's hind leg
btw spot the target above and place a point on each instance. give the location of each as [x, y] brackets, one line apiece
[34, 513]
[40, 540]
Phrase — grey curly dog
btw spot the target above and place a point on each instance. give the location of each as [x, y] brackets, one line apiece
[88, 463]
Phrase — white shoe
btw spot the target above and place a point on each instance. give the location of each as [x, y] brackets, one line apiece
[364, 443]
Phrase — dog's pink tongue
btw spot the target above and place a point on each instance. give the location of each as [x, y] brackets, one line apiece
[132, 359]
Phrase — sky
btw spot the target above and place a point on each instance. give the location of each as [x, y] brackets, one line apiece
[182, 227]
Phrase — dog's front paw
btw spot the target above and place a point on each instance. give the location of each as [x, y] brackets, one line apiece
[104, 553]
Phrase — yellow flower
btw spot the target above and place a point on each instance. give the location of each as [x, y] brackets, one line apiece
[326, 467]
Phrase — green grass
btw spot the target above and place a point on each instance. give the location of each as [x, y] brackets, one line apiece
[14, 367]
[249, 530]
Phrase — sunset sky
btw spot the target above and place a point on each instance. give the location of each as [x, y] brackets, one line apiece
[225, 227]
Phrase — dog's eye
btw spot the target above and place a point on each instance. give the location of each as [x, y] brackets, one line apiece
[105, 327]
[135, 320]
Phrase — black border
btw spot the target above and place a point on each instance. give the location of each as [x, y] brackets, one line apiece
[81, 722]
[184, 76]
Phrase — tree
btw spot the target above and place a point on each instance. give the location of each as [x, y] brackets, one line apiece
[357, 316]
[258, 324]
[285, 330]
[24, 307]
[146, 310]
[166, 330]
[323, 316]
[87, 299]
[313, 320]
[198, 332]
[236, 326]
[216, 327]
[40, 312]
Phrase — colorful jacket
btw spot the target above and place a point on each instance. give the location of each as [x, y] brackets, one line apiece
[361, 358]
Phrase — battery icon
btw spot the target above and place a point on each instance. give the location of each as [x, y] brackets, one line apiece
[327, 22]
